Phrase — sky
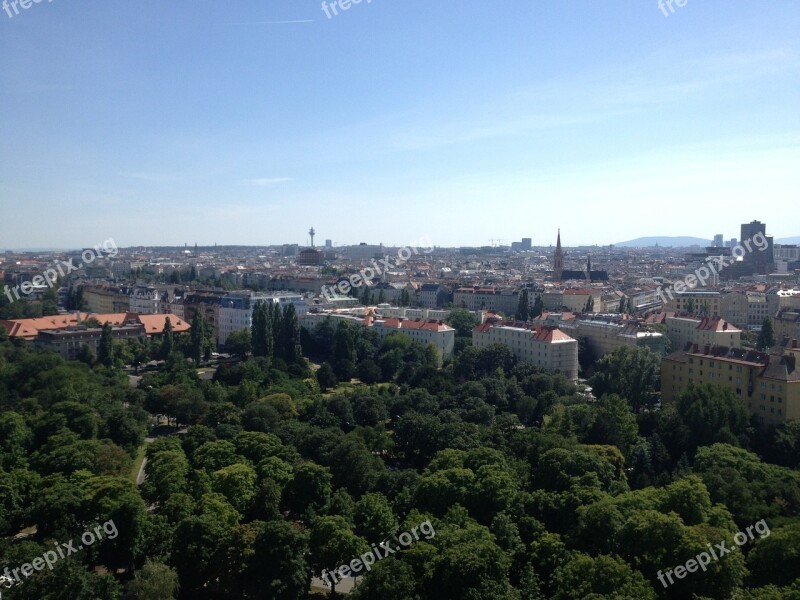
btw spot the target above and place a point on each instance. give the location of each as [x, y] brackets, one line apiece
[250, 121]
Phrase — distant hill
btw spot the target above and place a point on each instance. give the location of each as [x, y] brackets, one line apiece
[791, 240]
[665, 242]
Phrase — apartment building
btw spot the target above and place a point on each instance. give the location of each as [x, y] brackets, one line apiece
[769, 385]
[787, 324]
[422, 331]
[606, 333]
[236, 310]
[145, 300]
[105, 299]
[545, 347]
[713, 331]
[694, 302]
[431, 295]
[502, 300]
[577, 299]
[69, 342]
[152, 325]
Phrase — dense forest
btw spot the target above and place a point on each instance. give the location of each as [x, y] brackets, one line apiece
[279, 468]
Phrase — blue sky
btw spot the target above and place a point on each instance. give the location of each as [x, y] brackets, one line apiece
[211, 122]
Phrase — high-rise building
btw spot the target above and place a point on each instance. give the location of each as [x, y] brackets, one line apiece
[718, 241]
[759, 261]
[526, 243]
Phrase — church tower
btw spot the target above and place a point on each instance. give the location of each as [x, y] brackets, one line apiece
[558, 259]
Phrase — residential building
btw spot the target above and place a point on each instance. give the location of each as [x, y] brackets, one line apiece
[787, 324]
[768, 384]
[69, 342]
[505, 300]
[422, 331]
[236, 310]
[713, 331]
[145, 300]
[694, 302]
[545, 347]
[606, 333]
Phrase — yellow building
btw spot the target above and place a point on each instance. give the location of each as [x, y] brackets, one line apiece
[769, 385]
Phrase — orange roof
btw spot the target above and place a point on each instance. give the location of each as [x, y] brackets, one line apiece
[155, 323]
[28, 329]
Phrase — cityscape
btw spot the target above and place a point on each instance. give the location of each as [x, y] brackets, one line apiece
[400, 301]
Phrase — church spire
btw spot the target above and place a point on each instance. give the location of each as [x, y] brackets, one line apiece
[558, 259]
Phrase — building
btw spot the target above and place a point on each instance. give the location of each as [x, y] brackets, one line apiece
[309, 257]
[718, 240]
[105, 299]
[558, 259]
[712, 331]
[581, 300]
[606, 333]
[422, 331]
[207, 303]
[545, 347]
[152, 325]
[768, 384]
[236, 310]
[145, 300]
[432, 295]
[693, 302]
[526, 244]
[494, 299]
[787, 324]
[69, 342]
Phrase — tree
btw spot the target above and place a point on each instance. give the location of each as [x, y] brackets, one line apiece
[105, 349]
[601, 577]
[333, 544]
[405, 299]
[239, 343]
[589, 305]
[713, 413]
[462, 321]
[154, 581]
[289, 349]
[538, 307]
[766, 337]
[167, 340]
[197, 337]
[263, 339]
[523, 307]
[326, 377]
[374, 518]
[632, 372]
[390, 579]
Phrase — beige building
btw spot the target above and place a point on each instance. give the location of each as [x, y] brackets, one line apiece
[769, 385]
[576, 299]
[606, 333]
[545, 347]
[698, 303]
[711, 331]
[787, 324]
[494, 299]
[106, 299]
